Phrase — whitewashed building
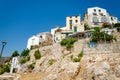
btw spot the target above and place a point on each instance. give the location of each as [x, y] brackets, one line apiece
[73, 25]
[34, 40]
[39, 38]
[96, 16]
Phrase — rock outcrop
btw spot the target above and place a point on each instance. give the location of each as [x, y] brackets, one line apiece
[100, 67]
[57, 64]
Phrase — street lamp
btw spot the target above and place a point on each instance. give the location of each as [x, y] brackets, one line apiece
[3, 45]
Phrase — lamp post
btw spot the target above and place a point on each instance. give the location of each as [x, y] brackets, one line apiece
[3, 45]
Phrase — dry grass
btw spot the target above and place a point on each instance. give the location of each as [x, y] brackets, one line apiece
[32, 76]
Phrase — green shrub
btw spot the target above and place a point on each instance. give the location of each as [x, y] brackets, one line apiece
[22, 60]
[98, 36]
[80, 54]
[7, 67]
[25, 53]
[71, 57]
[28, 58]
[31, 66]
[1, 70]
[37, 54]
[51, 62]
[64, 42]
[68, 42]
[69, 46]
[76, 59]
[15, 53]
[72, 40]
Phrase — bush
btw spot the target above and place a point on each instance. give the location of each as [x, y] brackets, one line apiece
[116, 25]
[22, 60]
[28, 58]
[1, 70]
[98, 36]
[64, 42]
[7, 67]
[31, 66]
[37, 54]
[72, 40]
[80, 54]
[68, 42]
[69, 46]
[51, 62]
[76, 59]
[15, 53]
[71, 57]
[25, 53]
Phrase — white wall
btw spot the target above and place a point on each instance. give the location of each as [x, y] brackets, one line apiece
[98, 13]
[57, 35]
[91, 11]
[115, 19]
[34, 40]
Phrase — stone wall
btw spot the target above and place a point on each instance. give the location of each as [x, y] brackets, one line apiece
[78, 46]
[102, 48]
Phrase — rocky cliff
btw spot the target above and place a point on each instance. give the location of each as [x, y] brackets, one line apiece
[56, 64]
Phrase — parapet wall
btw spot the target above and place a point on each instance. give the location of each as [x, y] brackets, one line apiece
[102, 48]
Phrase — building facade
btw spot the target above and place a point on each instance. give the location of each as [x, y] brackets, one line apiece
[38, 39]
[96, 16]
[73, 25]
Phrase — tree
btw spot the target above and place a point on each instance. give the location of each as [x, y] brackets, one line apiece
[25, 52]
[97, 29]
[116, 25]
[98, 36]
[37, 54]
[15, 53]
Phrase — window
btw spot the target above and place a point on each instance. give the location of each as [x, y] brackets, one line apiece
[95, 20]
[75, 29]
[111, 18]
[94, 10]
[70, 24]
[57, 38]
[101, 14]
[99, 10]
[94, 14]
[70, 21]
[76, 16]
[76, 21]
[70, 17]
[40, 36]
[103, 19]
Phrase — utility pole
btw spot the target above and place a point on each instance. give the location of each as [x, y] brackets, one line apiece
[3, 45]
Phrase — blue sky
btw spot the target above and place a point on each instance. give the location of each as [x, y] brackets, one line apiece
[20, 19]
